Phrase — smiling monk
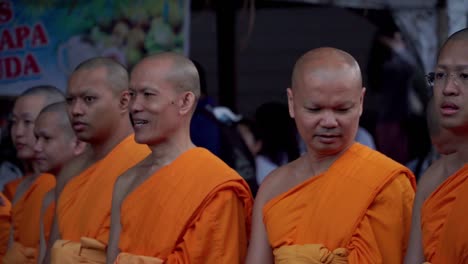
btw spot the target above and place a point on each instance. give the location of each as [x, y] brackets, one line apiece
[181, 204]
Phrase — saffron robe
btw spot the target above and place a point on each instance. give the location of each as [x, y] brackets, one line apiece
[10, 188]
[443, 215]
[25, 220]
[194, 210]
[360, 208]
[83, 208]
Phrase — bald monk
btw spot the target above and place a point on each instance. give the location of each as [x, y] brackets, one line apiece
[181, 204]
[340, 202]
[97, 97]
[441, 234]
[56, 146]
[26, 203]
[5, 218]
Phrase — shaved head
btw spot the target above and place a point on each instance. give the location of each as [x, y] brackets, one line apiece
[50, 93]
[326, 98]
[461, 35]
[60, 110]
[328, 63]
[181, 71]
[117, 74]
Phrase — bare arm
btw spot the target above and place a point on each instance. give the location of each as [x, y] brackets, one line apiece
[415, 254]
[115, 225]
[259, 251]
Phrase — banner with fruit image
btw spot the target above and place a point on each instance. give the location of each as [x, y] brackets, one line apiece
[42, 41]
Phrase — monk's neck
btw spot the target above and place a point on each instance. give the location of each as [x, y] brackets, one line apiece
[29, 168]
[320, 162]
[461, 155]
[101, 149]
[168, 150]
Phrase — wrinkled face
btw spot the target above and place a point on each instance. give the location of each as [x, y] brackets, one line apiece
[93, 107]
[326, 111]
[153, 105]
[24, 115]
[451, 85]
[54, 147]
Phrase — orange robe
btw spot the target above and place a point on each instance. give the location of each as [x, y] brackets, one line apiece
[443, 221]
[10, 188]
[25, 221]
[83, 208]
[5, 218]
[358, 211]
[195, 210]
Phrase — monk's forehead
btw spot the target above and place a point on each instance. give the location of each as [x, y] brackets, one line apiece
[151, 66]
[328, 71]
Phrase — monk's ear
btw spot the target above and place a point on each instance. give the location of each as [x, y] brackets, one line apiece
[79, 147]
[124, 101]
[187, 102]
[361, 100]
[290, 102]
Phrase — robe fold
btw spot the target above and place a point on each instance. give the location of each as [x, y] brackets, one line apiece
[83, 208]
[194, 210]
[25, 220]
[443, 221]
[88, 250]
[10, 188]
[361, 204]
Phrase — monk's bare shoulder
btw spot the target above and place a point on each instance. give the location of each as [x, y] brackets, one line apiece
[277, 182]
[431, 179]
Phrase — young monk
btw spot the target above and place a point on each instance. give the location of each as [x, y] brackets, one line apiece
[439, 234]
[340, 202]
[27, 199]
[56, 146]
[97, 97]
[181, 204]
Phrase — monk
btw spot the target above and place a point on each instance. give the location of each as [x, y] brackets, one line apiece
[340, 202]
[56, 146]
[181, 204]
[26, 203]
[439, 233]
[97, 97]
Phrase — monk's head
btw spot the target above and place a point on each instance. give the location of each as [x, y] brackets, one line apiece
[97, 97]
[326, 99]
[56, 142]
[451, 83]
[164, 91]
[442, 139]
[25, 111]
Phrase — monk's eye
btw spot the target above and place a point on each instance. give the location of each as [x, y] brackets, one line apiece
[313, 109]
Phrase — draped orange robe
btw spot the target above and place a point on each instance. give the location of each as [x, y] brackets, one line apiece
[25, 217]
[359, 210]
[10, 188]
[83, 208]
[443, 221]
[5, 218]
[194, 210]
